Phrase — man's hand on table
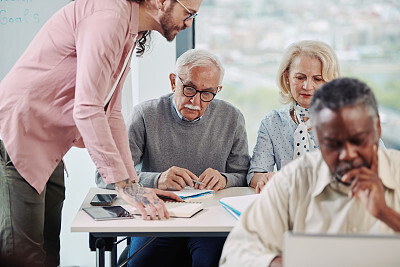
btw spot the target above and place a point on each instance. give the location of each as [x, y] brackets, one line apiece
[212, 180]
[176, 178]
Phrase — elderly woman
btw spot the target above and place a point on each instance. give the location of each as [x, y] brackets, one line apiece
[286, 134]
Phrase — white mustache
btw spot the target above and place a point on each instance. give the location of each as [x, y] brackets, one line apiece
[190, 106]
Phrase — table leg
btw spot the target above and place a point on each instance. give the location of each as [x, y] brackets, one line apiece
[113, 255]
[100, 248]
[102, 244]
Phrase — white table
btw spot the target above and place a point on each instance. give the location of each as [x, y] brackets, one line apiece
[212, 221]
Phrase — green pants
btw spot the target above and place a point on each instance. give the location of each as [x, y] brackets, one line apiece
[30, 223]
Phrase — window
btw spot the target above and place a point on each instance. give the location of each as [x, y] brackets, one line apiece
[249, 37]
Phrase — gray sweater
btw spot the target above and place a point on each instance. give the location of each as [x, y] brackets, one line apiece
[159, 139]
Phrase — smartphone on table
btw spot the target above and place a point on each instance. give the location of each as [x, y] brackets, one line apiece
[103, 199]
[108, 213]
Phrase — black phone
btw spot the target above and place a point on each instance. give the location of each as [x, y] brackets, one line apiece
[103, 199]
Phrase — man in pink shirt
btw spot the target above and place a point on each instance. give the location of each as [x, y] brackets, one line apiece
[65, 91]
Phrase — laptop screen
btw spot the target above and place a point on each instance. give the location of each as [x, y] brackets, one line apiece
[301, 249]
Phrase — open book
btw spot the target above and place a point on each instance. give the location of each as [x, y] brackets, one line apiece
[175, 209]
[236, 205]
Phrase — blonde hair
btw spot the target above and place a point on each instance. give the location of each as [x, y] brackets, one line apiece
[317, 49]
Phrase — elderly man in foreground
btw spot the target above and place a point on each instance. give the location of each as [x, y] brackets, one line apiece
[349, 185]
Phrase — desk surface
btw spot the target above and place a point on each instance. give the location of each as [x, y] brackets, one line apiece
[212, 219]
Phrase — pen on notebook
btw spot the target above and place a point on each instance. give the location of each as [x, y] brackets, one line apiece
[167, 198]
[194, 181]
[198, 182]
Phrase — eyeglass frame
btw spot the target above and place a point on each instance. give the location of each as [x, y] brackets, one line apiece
[197, 91]
[191, 16]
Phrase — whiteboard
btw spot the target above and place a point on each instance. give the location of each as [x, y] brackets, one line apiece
[20, 20]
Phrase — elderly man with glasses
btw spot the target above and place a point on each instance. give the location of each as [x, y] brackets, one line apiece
[186, 136]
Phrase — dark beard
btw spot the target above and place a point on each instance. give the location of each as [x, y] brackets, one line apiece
[167, 25]
[344, 168]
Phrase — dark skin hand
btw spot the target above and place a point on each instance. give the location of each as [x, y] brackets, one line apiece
[276, 262]
[368, 187]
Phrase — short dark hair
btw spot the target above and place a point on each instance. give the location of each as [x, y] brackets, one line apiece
[343, 92]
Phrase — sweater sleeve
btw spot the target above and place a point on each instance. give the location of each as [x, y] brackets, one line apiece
[137, 143]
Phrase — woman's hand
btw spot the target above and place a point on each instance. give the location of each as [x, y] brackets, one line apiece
[260, 179]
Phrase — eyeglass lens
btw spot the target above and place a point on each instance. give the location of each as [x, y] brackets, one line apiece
[204, 95]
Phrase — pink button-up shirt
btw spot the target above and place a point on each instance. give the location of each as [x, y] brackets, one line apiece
[55, 93]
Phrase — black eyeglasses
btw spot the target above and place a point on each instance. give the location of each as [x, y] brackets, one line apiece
[189, 91]
[191, 15]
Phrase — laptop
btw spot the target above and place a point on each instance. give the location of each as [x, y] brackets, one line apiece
[301, 249]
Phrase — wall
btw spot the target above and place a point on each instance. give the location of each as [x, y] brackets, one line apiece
[20, 20]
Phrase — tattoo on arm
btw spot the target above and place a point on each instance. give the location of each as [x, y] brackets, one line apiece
[145, 201]
[135, 191]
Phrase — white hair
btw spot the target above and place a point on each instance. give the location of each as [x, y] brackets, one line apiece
[197, 57]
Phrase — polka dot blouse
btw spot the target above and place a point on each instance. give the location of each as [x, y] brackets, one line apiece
[275, 143]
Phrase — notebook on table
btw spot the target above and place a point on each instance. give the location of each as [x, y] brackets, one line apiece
[175, 209]
[309, 250]
[189, 193]
[236, 205]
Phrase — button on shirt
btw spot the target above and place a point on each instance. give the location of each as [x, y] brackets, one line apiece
[304, 197]
[53, 97]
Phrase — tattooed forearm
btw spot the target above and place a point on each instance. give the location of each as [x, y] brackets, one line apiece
[135, 191]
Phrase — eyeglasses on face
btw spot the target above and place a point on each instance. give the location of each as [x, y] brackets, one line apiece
[189, 91]
[191, 16]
